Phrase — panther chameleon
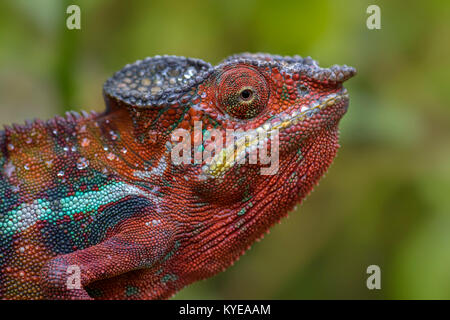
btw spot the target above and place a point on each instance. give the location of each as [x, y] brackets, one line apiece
[97, 195]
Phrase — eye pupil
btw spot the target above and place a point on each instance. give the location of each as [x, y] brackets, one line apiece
[246, 94]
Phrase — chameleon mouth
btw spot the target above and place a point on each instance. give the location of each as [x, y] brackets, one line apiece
[307, 112]
[248, 142]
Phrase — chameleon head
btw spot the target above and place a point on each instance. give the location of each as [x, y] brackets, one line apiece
[260, 131]
[279, 102]
[252, 119]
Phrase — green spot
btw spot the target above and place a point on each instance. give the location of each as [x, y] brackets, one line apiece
[201, 204]
[166, 183]
[242, 212]
[242, 180]
[169, 277]
[239, 223]
[131, 291]
[172, 252]
[293, 178]
[94, 292]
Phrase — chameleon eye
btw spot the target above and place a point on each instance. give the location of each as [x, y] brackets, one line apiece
[242, 92]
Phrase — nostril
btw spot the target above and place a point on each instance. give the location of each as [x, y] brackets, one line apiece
[303, 90]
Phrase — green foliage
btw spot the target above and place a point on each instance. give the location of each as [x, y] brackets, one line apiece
[385, 199]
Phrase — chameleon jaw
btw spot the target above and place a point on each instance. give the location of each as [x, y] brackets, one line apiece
[307, 112]
[250, 141]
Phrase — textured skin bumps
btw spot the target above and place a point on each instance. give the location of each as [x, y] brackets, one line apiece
[101, 194]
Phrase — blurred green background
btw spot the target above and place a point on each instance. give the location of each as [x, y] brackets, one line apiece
[385, 200]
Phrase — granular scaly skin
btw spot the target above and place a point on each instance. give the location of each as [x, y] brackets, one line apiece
[100, 192]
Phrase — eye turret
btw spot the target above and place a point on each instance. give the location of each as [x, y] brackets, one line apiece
[242, 92]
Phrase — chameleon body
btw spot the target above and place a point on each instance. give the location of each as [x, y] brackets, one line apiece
[92, 206]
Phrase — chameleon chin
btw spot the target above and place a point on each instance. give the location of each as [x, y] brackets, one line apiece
[92, 207]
